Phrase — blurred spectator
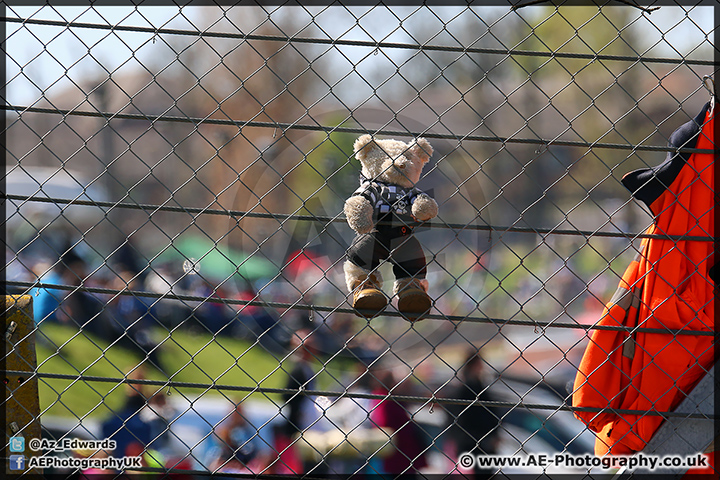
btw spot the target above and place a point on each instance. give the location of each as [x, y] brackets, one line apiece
[207, 316]
[157, 414]
[350, 416]
[46, 301]
[131, 320]
[241, 450]
[81, 308]
[166, 449]
[160, 280]
[127, 257]
[476, 427]
[301, 411]
[126, 426]
[409, 456]
[255, 322]
[351, 413]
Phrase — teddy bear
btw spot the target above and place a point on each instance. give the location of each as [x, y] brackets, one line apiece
[383, 212]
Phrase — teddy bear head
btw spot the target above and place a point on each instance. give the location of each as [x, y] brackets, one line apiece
[392, 161]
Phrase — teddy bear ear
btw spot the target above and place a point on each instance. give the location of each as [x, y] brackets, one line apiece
[363, 145]
[421, 148]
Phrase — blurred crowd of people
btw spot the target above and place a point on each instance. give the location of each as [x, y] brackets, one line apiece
[372, 432]
[369, 431]
[132, 319]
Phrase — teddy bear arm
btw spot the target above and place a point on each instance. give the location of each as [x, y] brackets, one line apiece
[359, 213]
[424, 208]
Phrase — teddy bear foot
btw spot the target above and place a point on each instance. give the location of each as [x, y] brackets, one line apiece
[413, 300]
[368, 299]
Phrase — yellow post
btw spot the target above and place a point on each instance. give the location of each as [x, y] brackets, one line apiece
[22, 404]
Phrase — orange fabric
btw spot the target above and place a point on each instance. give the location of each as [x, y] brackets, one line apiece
[667, 286]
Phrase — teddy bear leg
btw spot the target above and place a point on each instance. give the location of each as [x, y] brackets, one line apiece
[413, 300]
[365, 286]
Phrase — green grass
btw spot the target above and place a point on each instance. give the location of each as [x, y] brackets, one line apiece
[188, 357]
[61, 351]
[223, 361]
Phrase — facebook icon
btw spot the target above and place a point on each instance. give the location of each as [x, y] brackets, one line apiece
[17, 462]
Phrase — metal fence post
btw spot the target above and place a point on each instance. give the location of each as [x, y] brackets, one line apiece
[22, 405]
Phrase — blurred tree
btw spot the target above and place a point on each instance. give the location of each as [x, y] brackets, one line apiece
[565, 98]
[266, 81]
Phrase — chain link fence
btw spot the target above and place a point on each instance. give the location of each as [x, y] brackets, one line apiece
[174, 206]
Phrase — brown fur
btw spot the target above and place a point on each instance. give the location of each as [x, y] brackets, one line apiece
[393, 162]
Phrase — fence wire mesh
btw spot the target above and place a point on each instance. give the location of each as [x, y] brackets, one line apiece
[175, 192]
